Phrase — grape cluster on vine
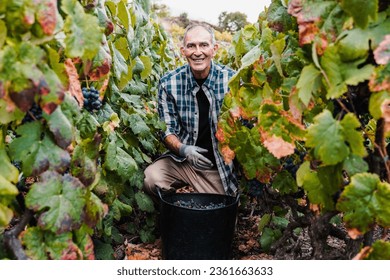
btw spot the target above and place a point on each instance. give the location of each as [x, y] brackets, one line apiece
[34, 114]
[91, 99]
[255, 188]
[292, 166]
[246, 123]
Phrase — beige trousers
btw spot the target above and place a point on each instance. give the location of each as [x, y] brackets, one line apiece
[168, 174]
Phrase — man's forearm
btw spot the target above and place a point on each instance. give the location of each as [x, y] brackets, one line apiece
[173, 143]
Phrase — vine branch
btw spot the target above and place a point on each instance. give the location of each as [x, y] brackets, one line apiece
[11, 239]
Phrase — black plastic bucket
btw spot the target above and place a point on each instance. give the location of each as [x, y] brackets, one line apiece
[197, 234]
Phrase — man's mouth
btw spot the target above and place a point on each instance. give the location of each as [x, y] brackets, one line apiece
[198, 60]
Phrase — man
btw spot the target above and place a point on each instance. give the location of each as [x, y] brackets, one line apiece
[189, 101]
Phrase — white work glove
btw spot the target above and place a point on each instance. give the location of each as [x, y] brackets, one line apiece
[192, 153]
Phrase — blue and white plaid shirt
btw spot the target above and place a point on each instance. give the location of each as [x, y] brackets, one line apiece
[177, 107]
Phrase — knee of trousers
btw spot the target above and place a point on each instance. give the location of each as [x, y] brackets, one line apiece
[150, 181]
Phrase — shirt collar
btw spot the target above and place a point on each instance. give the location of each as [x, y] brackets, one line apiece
[209, 83]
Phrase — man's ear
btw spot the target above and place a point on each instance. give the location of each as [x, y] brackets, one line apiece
[182, 51]
[215, 48]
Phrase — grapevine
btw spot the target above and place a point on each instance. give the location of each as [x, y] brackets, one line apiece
[313, 87]
[78, 124]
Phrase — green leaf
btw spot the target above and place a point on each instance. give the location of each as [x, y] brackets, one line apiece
[144, 202]
[60, 201]
[6, 116]
[120, 161]
[6, 215]
[83, 164]
[138, 125]
[119, 62]
[365, 202]
[354, 138]
[61, 128]
[284, 183]
[147, 67]
[268, 237]
[83, 34]
[104, 251]
[37, 151]
[3, 33]
[380, 250]
[308, 83]
[277, 48]
[376, 101]
[326, 137]
[123, 15]
[340, 74]
[321, 185]
[87, 125]
[45, 245]
[250, 57]
[362, 11]
[264, 221]
[354, 164]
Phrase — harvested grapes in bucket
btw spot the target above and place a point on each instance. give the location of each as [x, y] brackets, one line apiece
[191, 204]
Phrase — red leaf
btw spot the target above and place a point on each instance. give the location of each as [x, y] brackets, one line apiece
[24, 99]
[277, 146]
[74, 83]
[228, 154]
[382, 52]
[47, 15]
[385, 108]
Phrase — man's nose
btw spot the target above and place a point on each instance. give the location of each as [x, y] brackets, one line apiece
[197, 50]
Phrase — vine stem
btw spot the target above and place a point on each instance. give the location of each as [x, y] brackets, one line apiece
[11, 239]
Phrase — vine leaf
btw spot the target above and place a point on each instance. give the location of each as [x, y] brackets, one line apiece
[101, 63]
[144, 202]
[120, 161]
[380, 250]
[309, 82]
[341, 74]
[74, 84]
[350, 124]
[365, 201]
[47, 14]
[8, 174]
[83, 34]
[327, 139]
[278, 128]
[83, 164]
[320, 185]
[382, 52]
[37, 151]
[318, 21]
[60, 201]
[361, 16]
[119, 63]
[284, 183]
[3, 33]
[61, 127]
[45, 245]
[277, 146]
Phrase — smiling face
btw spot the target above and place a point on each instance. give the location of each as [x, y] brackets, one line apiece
[199, 50]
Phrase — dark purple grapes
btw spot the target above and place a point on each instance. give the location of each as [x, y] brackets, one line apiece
[191, 204]
[91, 99]
[255, 188]
[246, 123]
[34, 114]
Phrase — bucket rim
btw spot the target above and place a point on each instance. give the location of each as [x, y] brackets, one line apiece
[170, 194]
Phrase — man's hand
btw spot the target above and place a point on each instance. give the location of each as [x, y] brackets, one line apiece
[192, 153]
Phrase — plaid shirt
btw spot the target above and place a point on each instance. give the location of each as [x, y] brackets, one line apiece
[177, 107]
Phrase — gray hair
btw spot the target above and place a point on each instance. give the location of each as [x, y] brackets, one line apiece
[207, 27]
